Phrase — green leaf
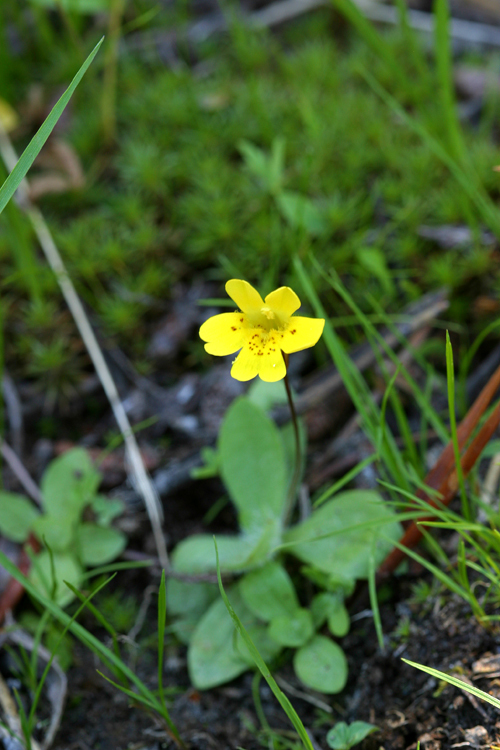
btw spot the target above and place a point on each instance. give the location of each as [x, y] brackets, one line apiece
[98, 545]
[106, 509]
[57, 532]
[35, 145]
[337, 537]
[17, 515]
[322, 606]
[344, 736]
[212, 656]
[262, 666]
[69, 484]
[338, 621]
[268, 591]
[66, 568]
[321, 665]
[266, 395]
[267, 647]
[253, 464]
[301, 213]
[189, 601]
[210, 467]
[237, 553]
[292, 630]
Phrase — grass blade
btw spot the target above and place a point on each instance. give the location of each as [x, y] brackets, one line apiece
[450, 372]
[456, 683]
[35, 145]
[445, 80]
[262, 666]
[88, 640]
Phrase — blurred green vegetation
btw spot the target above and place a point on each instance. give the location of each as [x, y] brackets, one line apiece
[176, 195]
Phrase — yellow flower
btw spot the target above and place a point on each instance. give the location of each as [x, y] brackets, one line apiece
[262, 330]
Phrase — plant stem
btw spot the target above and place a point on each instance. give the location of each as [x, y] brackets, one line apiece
[292, 491]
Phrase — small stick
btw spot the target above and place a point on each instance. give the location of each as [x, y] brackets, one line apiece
[138, 470]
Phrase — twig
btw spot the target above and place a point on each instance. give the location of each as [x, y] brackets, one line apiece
[21, 473]
[11, 713]
[138, 470]
[56, 697]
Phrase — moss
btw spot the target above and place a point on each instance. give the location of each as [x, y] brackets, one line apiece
[175, 196]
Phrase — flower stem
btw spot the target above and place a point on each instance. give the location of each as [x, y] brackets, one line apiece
[292, 492]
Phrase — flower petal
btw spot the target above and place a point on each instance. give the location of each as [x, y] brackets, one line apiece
[246, 297]
[301, 334]
[245, 366]
[224, 333]
[272, 366]
[283, 301]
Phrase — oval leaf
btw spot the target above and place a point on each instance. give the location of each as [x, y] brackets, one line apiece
[56, 532]
[98, 545]
[66, 568]
[344, 736]
[212, 656]
[338, 621]
[196, 554]
[292, 630]
[269, 592]
[17, 516]
[337, 537]
[321, 665]
[69, 483]
[253, 464]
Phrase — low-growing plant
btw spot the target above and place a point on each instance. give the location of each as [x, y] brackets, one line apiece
[74, 527]
[260, 467]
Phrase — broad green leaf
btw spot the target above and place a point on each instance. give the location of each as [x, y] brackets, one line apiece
[302, 213]
[35, 145]
[266, 395]
[69, 484]
[261, 664]
[338, 621]
[212, 656]
[337, 537]
[17, 516]
[268, 591]
[253, 464]
[190, 601]
[267, 647]
[292, 630]
[344, 736]
[98, 545]
[66, 568]
[237, 553]
[321, 665]
[56, 531]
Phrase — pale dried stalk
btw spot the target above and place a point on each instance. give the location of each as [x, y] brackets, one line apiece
[138, 473]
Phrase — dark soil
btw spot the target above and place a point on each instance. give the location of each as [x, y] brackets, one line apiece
[408, 705]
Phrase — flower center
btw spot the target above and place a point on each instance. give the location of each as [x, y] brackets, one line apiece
[267, 319]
